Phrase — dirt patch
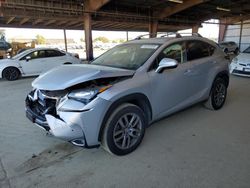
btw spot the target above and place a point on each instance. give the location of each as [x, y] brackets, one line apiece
[48, 157]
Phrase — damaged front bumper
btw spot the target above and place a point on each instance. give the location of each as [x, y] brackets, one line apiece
[81, 128]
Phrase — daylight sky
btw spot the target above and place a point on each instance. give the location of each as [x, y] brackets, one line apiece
[208, 30]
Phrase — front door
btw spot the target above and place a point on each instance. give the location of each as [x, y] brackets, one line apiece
[172, 88]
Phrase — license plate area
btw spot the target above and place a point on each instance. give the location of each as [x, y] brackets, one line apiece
[246, 69]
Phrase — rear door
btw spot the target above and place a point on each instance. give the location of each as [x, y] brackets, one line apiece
[201, 60]
[53, 58]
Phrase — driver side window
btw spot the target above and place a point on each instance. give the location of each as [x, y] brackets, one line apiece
[176, 51]
[35, 55]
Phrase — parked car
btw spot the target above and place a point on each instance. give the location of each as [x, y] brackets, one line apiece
[229, 47]
[111, 101]
[33, 62]
[240, 65]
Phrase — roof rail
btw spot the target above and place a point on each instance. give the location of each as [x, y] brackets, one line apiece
[177, 35]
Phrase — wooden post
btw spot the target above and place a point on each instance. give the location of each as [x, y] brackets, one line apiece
[88, 36]
[241, 26]
[127, 35]
[153, 27]
[222, 30]
[65, 40]
[195, 29]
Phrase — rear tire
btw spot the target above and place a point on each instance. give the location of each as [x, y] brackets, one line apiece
[217, 95]
[124, 130]
[11, 73]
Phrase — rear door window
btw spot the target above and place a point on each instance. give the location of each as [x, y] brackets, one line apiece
[53, 53]
[198, 49]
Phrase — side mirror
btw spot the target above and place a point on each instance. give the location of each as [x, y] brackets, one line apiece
[28, 58]
[166, 63]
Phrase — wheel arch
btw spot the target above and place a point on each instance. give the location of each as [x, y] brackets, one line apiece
[137, 99]
[224, 75]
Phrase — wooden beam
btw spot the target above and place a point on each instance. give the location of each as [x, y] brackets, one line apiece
[88, 36]
[94, 5]
[50, 22]
[168, 11]
[153, 27]
[195, 28]
[10, 20]
[23, 21]
[37, 21]
[222, 31]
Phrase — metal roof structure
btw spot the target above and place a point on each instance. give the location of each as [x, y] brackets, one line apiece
[120, 15]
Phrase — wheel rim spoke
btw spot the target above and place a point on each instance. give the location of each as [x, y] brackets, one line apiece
[127, 131]
[219, 95]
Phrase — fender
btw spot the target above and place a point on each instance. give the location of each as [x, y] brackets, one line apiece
[138, 99]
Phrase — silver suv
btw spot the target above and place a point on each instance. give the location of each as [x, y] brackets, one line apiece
[111, 101]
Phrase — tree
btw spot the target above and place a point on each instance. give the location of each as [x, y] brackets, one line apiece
[102, 39]
[40, 39]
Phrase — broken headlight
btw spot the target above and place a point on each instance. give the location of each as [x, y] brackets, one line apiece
[86, 95]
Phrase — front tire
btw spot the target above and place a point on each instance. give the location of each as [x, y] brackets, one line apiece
[124, 130]
[217, 95]
[11, 73]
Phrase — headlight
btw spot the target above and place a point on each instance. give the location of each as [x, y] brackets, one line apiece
[86, 95]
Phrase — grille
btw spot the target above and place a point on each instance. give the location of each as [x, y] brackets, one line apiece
[43, 105]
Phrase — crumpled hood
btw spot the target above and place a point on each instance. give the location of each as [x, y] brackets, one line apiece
[66, 76]
[244, 58]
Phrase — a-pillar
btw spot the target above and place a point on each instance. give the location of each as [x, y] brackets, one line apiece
[88, 36]
[222, 30]
[153, 27]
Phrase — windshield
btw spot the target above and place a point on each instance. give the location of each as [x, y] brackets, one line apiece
[247, 50]
[17, 56]
[127, 56]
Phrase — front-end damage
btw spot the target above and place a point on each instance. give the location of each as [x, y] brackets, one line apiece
[73, 114]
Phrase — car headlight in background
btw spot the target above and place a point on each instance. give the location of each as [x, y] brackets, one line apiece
[86, 95]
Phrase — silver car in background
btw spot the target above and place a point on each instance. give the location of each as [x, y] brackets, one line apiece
[111, 101]
[229, 47]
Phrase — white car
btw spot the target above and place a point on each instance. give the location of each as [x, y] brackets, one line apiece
[33, 62]
[240, 65]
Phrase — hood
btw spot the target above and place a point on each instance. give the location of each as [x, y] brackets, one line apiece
[243, 58]
[69, 75]
[6, 61]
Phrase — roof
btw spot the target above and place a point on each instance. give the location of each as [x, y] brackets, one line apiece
[120, 15]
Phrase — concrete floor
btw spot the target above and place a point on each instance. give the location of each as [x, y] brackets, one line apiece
[193, 148]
